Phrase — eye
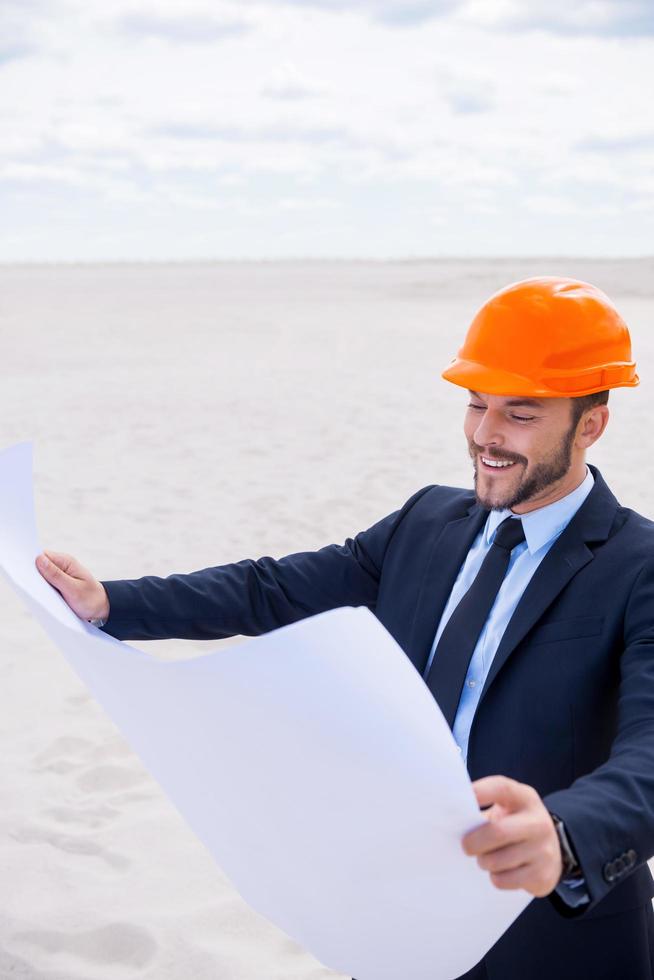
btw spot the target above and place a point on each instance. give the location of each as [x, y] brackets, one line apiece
[523, 418]
[478, 408]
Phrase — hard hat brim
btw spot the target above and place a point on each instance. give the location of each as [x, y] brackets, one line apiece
[493, 381]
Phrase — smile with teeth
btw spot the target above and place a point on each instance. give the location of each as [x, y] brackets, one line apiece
[497, 463]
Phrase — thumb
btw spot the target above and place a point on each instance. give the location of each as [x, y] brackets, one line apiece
[508, 793]
[53, 567]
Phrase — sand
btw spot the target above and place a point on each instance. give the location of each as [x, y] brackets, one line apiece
[185, 416]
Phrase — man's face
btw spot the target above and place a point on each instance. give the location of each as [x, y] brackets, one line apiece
[522, 449]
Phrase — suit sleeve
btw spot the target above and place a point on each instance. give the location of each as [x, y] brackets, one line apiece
[253, 597]
[609, 813]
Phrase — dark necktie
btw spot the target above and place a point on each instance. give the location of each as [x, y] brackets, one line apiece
[459, 638]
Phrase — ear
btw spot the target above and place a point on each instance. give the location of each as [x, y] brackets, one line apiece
[591, 425]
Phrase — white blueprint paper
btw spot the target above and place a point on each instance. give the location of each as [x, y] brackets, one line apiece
[312, 762]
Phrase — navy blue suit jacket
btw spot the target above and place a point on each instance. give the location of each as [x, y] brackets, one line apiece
[568, 706]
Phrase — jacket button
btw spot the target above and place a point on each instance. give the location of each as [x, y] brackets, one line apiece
[609, 872]
[631, 857]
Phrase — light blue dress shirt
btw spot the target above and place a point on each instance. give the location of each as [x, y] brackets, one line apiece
[542, 527]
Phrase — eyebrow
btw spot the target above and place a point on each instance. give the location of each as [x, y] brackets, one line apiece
[515, 402]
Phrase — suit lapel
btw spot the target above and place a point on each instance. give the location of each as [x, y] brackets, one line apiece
[591, 523]
[554, 573]
[450, 547]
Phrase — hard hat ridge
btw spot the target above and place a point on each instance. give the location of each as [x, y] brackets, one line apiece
[545, 337]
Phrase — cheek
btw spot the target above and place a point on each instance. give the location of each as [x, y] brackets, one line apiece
[530, 448]
[470, 426]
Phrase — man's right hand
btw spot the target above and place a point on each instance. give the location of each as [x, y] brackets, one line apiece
[83, 593]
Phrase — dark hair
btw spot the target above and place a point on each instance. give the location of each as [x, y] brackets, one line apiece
[584, 402]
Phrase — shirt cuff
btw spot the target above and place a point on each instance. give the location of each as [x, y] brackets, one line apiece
[573, 892]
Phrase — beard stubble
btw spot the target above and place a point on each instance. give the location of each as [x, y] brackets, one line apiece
[542, 476]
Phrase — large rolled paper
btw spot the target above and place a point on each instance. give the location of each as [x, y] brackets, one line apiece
[312, 762]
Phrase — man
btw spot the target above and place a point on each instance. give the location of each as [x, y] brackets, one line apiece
[528, 606]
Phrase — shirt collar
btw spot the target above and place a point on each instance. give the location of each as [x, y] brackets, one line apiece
[541, 526]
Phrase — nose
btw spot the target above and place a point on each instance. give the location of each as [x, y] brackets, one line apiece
[489, 431]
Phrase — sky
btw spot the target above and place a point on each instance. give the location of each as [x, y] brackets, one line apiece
[263, 129]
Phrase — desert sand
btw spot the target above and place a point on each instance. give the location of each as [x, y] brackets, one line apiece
[185, 416]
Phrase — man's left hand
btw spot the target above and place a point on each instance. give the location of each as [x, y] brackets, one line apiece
[518, 844]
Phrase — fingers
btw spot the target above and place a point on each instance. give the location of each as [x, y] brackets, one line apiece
[494, 834]
[531, 863]
[507, 858]
[84, 594]
[65, 563]
[54, 571]
[537, 879]
[520, 877]
[517, 844]
[509, 793]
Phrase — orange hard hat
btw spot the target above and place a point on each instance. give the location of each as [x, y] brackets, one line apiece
[545, 338]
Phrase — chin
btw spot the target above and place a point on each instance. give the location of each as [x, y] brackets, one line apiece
[491, 499]
[489, 504]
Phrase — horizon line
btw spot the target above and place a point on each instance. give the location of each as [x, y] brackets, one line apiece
[548, 256]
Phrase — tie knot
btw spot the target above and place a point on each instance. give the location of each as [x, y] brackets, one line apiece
[509, 534]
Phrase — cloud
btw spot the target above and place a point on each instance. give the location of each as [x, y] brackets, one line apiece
[288, 92]
[411, 12]
[618, 144]
[595, 18]
[466, 94]
[469, 103]
[338, 108]
[298, 204]
[14, 52]
[18, 24]
[277, 133]
[112, 187]
[182, 29]
[559, 205]
[399, 13]
[287, 84]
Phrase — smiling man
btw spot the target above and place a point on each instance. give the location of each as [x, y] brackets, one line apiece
[528, 607]
[548, 466]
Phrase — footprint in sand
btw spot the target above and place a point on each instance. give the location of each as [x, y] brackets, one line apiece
[97, 769]
[116, 748]
[18, 968]
[110, 779]
[97, 782]
[90, 817]
[70, 751]
[118, 945]
[78, 700]
[63, 755]
[37, 834]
